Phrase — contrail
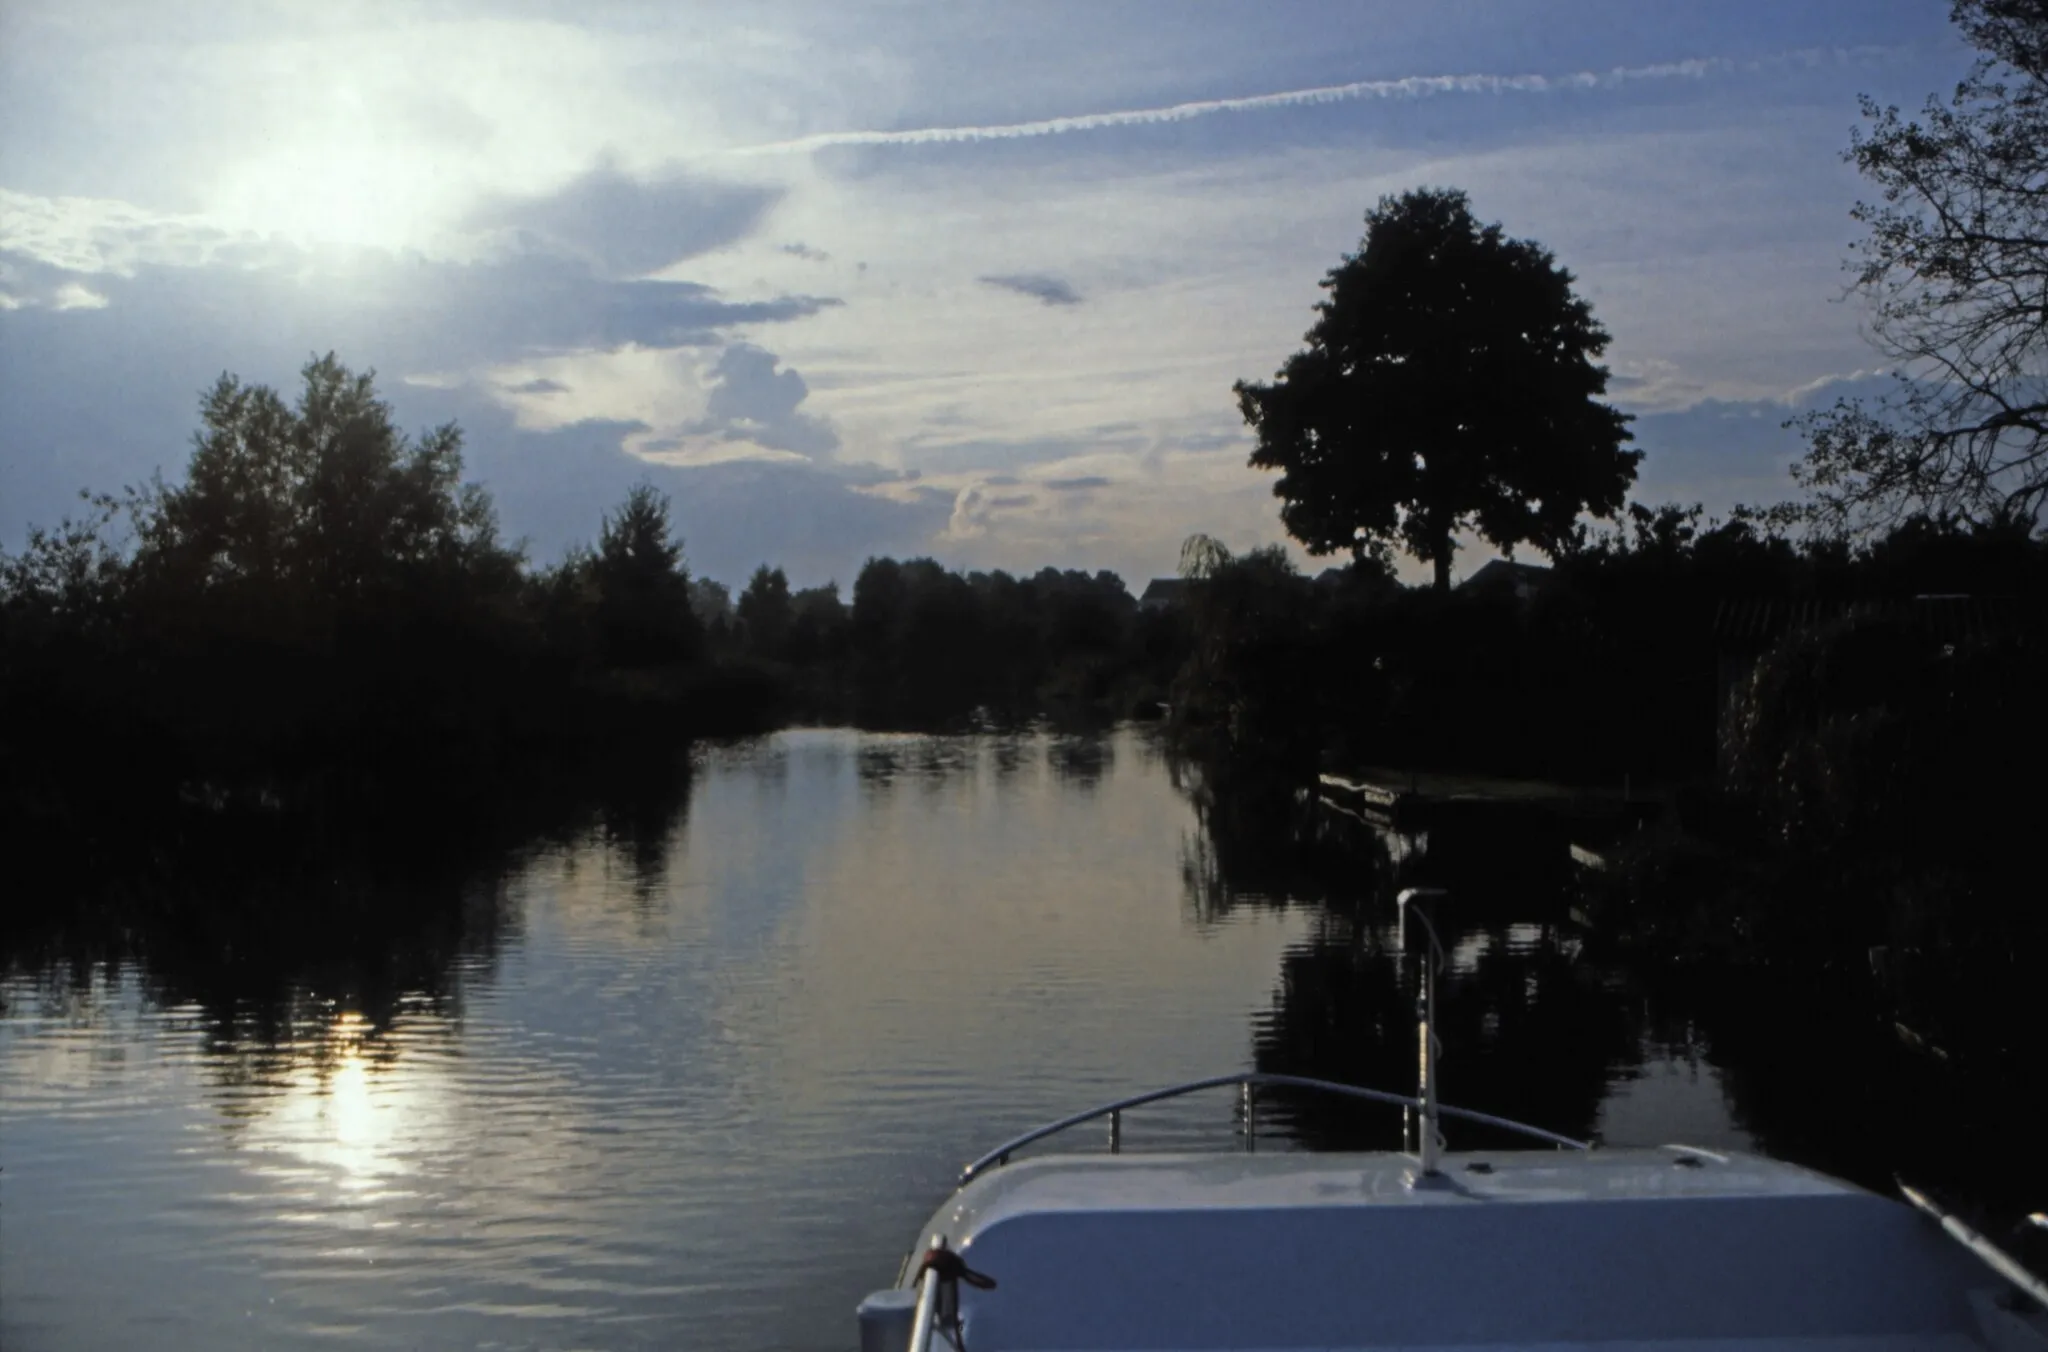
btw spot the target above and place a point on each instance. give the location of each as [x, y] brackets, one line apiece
[1410, 87]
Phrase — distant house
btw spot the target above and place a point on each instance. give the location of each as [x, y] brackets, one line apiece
[1163, 593]
[1504, 577]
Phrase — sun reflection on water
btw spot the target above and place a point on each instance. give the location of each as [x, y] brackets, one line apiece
[347, 1114]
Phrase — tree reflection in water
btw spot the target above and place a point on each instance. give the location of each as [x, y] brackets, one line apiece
[1530, 1031]
[293, 944]
[1550, 1024]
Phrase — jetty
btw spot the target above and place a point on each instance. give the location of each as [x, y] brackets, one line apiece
[1533, 831]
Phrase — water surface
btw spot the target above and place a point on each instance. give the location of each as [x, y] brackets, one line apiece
[691, 1074]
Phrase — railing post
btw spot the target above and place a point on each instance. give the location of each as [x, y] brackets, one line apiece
[1247, 1096]
[1431, 1142]
[1428, 1146]
[1116, 1131]
[927, 1304]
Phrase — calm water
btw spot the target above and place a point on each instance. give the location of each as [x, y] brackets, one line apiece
[691, 1074]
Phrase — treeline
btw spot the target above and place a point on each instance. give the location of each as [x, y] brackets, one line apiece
[321, 616]
[922, 646]
[1616, 663]
[1836, 735]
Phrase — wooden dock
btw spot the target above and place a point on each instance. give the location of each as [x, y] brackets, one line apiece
[1562, 827]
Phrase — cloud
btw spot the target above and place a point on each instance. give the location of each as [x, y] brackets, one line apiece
[1051, 290]
[799, 249]
[96, 234]
[1408, 87]
[627, 226]
[416, 312]
[817, 521]
[76, 296]
[975, 509]
[433, 328]
[1720, 452]
[753, 403]
[1079, 484]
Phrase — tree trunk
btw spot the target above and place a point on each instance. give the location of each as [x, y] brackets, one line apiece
[1443, 561]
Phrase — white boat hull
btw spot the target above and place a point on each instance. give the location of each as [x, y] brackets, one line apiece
[1610, 1249]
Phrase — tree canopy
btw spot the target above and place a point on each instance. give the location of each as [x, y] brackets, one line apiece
[1954, 265]
[644, 588]
[1448, 384]
[765, 612]
[324, 504]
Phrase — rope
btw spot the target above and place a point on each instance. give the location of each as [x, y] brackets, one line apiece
[952, 1270]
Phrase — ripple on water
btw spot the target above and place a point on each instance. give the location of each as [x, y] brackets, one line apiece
[699, 1090]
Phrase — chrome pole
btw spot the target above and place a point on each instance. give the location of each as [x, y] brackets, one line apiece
[1988, 1253]
[927, 1304]
[1430, 1145]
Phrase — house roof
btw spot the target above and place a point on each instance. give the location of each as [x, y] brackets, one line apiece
[1163, 591]
[1507, 573]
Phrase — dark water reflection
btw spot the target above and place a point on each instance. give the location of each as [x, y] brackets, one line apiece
[683, 1061]
[1573, 1030]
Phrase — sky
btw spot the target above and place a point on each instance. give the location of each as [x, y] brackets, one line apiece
[967, 280]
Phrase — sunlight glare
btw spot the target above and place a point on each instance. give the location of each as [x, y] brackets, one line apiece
[347, 1116]
[336, 192]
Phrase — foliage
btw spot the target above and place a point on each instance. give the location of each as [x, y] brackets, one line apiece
[711, 601]
[1953, 264]
[765, 612]
[1248, 678]
[933, 647]
[1871, 764]
[315, 509]
[1448, 383]
[818, 625]
[319, 616]
[644, 612]
[70, 576]
[1614, 669]
[1202, 555]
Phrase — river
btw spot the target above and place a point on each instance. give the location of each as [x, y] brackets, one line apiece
[690, 1074]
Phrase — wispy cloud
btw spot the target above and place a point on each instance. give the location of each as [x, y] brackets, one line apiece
[1051, 290]
[1407, 87]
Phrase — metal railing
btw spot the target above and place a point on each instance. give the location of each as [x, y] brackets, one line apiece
[1993, 1257]
[927, 1316]
[1249, 1083]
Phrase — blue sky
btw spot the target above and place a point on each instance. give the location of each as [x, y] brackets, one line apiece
[971, 280]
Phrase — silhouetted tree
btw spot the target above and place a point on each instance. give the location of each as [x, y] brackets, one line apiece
[818, 625]
[712, 602]
[1201, 555]
[299, 511]
[764, 611]
[1250, 678]
[916, 640]
[68, 577]
[643, 586]
[1448, 384]
[1953, 263]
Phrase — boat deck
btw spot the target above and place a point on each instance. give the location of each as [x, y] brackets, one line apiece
[1668, 1248]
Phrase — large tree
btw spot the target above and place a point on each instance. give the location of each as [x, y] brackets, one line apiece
[1955, 267]
[315, 506]
[643, 585]
[1449, 384]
